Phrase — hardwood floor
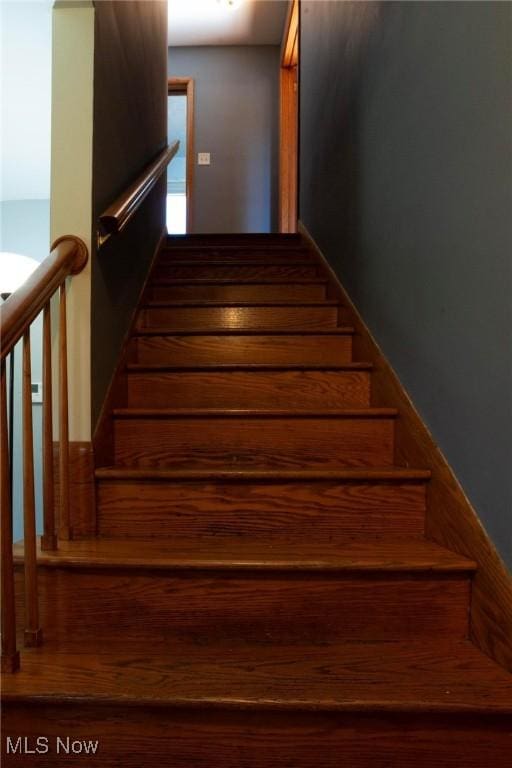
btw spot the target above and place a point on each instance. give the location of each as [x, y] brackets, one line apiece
[259, 590]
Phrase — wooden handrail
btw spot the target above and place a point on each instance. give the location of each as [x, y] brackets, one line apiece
[117, 215]
[68, 256]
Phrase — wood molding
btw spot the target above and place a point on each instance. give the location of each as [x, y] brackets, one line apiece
[185, 85]
[103, 437]
[289, 121]
[451, 519]
[82, 492]
[290, 41]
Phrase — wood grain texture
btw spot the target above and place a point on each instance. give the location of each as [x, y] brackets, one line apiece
[315, 510]
[10, 655]
[451, 519]
[253, 240]
[264, 256]
[250, 389]
[394, 678]
[142, 737]
[33, 632]
[82, 496]
[49, 539]
[157, 609]
[222, 270]
[228, 348]
[64, 520]
[349, 555]
[263, 442]
[238, 317]
[229, 291]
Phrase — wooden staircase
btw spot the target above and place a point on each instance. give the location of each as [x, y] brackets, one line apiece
[260, 591]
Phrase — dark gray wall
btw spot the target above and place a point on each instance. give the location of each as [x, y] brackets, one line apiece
[236, 120]
[406, 185]
[130, 128]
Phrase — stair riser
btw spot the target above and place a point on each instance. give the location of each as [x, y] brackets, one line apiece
[268, 442]
[254, 389]
[234, 271]
[317, 511]
[204, 318]
[129, 609]
[278, 350]
[276, 292]
[242, 239]
[142, 737]
[241, 254]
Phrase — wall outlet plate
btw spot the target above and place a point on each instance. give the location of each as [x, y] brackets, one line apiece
[203, 158]
[37, 392]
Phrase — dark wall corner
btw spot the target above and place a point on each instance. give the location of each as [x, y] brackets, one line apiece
[130, 129]
[406, 186]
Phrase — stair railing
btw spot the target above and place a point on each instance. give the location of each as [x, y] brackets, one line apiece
[68, 257]
[115, 218]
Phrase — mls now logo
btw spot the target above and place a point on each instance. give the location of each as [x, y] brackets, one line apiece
[41, 745]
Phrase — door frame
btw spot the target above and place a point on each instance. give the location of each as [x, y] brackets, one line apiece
[289, 122]
[185, 86]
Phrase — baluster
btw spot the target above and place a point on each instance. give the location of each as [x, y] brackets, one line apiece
[10, 654]
[64, 522]
[49, 538]
[33, 632]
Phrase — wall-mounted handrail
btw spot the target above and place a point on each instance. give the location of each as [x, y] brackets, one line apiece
[117, 215]
[68, 257]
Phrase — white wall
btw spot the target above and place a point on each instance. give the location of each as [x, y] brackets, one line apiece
[25, 98]
[25, 102]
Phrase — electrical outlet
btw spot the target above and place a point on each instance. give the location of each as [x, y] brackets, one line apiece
[37, 392]
[203, 158]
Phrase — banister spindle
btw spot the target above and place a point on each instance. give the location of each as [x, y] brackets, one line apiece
[33, 632]
[65, 532]
[49, 538]
[10, 654]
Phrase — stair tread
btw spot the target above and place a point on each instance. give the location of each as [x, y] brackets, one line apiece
[259, 261]
[221, 367]
[239, 281]
[195, 303]
[445, 677]
[341, 330]
[378, 554]
[254, 475]
[256, 413]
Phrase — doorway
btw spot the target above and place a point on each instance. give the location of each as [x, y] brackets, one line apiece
[289, 122]
[180, 123]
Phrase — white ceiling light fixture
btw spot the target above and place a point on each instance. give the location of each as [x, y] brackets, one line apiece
[231, 4]
[225, 22]
[15, 269]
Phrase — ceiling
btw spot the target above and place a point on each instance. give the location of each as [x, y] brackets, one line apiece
[214, 22]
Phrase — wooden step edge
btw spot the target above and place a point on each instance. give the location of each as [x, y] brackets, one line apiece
[205, 304]
[186, 281]
[375, 706]
[272, 261]
[249, 367]
[342, 330]
[253, 413]
[392, 475]
[406, 556]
